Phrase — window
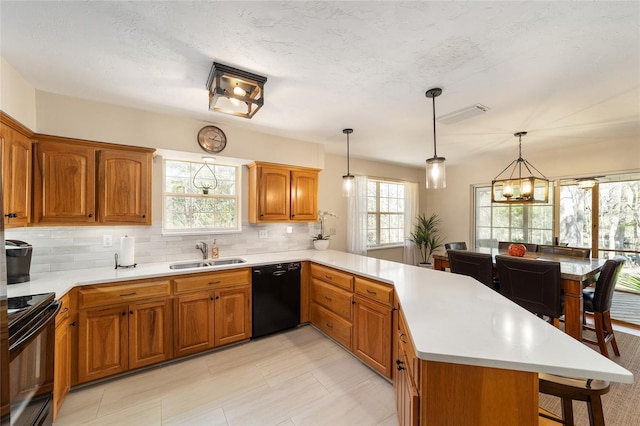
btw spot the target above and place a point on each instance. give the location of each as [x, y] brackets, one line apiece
[188, 210]
[530, 223]
[385, 213]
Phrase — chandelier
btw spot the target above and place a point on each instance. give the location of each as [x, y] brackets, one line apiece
[516, 188]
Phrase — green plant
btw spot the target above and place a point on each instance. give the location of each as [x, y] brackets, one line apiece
[320, 237]
[425, 235]
[629, 281]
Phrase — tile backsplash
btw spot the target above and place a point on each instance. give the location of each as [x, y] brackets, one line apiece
[63, 248]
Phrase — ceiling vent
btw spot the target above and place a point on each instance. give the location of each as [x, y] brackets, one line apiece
[464, 113]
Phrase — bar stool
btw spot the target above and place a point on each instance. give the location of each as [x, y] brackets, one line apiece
[569, 390]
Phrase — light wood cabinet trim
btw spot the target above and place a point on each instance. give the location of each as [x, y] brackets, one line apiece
[333, 298]
[333, 325]
[109, 294]
[212, 280]
[65, 309]
[333, 276]
[377, 291]
[62, 357]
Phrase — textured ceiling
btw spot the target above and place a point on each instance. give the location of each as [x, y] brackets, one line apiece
[566, 72]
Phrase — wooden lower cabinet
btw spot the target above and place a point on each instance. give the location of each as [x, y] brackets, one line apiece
[208, 319]
[372, 334]
[115, 339]
[407, 397]
[331, 324]
[62, 356]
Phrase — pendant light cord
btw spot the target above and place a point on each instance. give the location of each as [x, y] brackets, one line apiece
[347, 154]
[435, 153]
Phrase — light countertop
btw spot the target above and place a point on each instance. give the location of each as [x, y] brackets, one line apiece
[451, 318]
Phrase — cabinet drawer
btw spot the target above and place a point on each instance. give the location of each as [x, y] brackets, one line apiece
[65, 309]
[110, 294]
[332, 276]
[334, 326]
[373, 290]
[335, 299]
[212, 280]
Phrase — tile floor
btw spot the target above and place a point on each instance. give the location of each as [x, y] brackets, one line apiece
[299, 377]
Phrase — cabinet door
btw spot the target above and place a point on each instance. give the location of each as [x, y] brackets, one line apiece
[16, 176]
[62, 367]
[372, 337]
[407, 397]
[194, 323]
[124, 186]
[232, 315]
[64, 183]
[304, 195]
[274, 195]
[149, 333]
[102, 343]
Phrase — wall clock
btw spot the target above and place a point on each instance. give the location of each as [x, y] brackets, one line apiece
[212, 139]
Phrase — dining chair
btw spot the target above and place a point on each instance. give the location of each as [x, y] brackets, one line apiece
[580, 252]
[535, 285]
[504, 245]
[569, 390]
[598, 302]
[459, 245]
[475, 265]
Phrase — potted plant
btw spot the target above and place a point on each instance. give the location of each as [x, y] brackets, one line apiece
[425, 236]
[321, 241]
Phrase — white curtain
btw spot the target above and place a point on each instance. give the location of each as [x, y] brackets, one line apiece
[410, 254]
[357, 217]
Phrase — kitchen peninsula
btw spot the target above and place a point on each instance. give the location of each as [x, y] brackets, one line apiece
[479, 353]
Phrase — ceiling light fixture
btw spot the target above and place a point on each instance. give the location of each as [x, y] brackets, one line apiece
[519, 189]
[436, 176]
[347, 180]
[203, 182]
[234, 91]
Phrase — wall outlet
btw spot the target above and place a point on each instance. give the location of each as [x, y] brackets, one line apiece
[263, 233]
[332, 231]
[107, 240]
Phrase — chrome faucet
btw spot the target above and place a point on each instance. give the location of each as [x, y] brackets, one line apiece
[204, 248]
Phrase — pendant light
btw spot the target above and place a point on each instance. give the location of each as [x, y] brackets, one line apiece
[436, 173]
[348, 179]
[516, 188]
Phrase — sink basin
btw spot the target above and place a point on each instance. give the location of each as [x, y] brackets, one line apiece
[205, 263]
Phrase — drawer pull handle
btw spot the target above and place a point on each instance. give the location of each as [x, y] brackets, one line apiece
[328, 298]
[399, 365]
[128, 294]
[329, 277]
[64, 311]
[11, 215]
[402, 338]
[371, 292]
[214, 282]
[329, 325]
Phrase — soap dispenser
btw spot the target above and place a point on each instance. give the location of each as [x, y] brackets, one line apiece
[215, 252]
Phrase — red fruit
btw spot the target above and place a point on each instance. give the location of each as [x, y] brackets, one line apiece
[517, 250]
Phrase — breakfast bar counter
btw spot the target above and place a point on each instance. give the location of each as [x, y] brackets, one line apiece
[469, 338]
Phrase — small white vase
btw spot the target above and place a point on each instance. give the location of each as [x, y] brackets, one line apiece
[321, 244]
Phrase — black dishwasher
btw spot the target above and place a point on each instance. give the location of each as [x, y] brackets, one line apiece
[275, 298]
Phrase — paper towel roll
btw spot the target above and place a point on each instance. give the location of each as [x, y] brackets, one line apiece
[127, 249]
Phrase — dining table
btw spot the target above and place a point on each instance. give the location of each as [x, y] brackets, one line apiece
[576, 274]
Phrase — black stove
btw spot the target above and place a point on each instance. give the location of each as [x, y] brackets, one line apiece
[22, 309]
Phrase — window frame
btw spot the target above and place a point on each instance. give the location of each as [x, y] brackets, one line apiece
[378, 213]
[203, 231]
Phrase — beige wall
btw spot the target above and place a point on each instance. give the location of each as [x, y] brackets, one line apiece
[17, 97]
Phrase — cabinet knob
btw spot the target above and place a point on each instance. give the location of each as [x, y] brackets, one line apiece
[399, 365]
[11, 215]
[90, 215]
[131, 312]
[217, 297]
[144, 216]
[73, 324]
[124, 313]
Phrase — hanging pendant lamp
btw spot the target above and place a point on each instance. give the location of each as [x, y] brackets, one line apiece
[436, 173]
[516, 188]
[347, 180]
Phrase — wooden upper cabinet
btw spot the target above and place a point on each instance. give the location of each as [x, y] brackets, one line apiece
[64, 183]
[280, 193]
[124, 186]
[304, 195]
[16, 176]
[82, 182]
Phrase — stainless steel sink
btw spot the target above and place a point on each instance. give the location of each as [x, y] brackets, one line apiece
[205, 263]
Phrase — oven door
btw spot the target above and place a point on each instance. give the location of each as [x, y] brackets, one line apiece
[31, 370]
